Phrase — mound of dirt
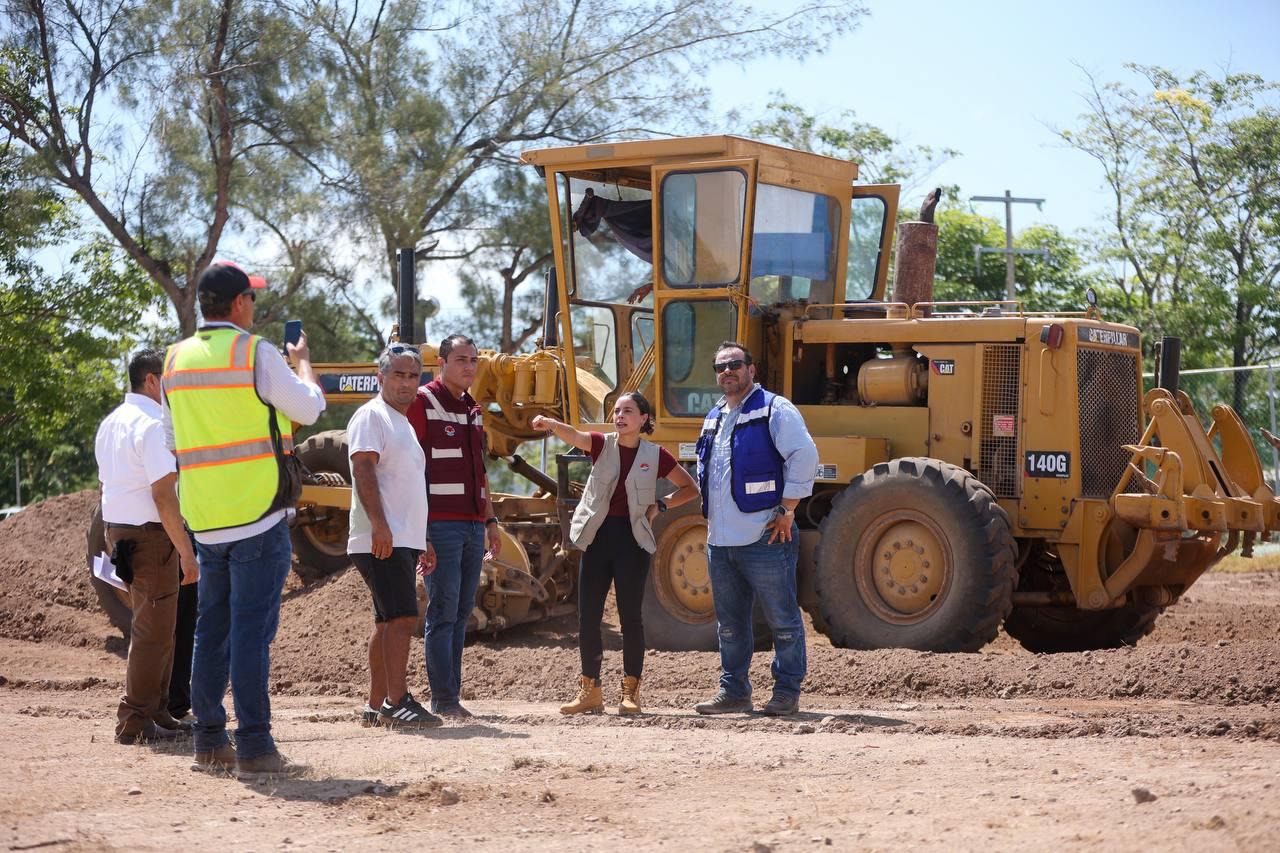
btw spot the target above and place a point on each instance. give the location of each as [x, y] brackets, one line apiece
[1219, 645]
[45, 594]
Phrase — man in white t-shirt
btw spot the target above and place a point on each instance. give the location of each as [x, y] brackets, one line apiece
[388, 541]
[144, 529]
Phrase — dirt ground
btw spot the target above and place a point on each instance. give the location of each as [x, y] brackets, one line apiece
[1173, 744]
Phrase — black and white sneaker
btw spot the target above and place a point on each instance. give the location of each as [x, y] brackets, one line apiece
[407, 712]
[368, 717]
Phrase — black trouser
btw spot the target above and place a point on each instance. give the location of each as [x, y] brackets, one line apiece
[613, 557]
[184, 641]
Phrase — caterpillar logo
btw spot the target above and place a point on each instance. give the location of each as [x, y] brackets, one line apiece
[366, 383]
[1107, 337]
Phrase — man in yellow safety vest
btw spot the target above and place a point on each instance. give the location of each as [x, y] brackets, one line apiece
[229, 403]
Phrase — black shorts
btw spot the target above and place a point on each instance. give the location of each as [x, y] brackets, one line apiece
[393, 583]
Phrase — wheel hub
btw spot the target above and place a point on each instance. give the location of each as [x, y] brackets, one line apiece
[903, 566]
[690, 582]
[680, 576]
[329, 536]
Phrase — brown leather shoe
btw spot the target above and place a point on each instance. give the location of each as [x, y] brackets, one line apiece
[273, 765]
[219, 760]
[165, 720]
[150, 733]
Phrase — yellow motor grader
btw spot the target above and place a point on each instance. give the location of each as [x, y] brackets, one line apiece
[980, 464]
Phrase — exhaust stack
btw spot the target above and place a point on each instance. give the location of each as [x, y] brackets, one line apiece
[407, 293]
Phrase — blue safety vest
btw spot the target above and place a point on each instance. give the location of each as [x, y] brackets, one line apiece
[755, 465]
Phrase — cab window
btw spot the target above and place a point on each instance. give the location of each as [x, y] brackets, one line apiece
[691, 331]
[611, 249]
[595, 343]
[702, 222]
[793, 248]
[866, 228]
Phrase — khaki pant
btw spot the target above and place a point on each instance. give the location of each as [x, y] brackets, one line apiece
[153, 595]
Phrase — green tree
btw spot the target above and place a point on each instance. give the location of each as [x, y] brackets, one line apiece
[415, 112]
[151, 114]
[957, 276]
[881, 158]
[1193, 169]
[1055, 282]
[516, 249]
[66, 338]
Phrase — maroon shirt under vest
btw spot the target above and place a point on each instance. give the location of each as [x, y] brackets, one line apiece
[451, 432]
[627, 458]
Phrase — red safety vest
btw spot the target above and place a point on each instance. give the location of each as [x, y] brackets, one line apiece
[451, 432]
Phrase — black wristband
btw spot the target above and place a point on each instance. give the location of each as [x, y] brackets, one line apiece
[662, 505]
[493, 519]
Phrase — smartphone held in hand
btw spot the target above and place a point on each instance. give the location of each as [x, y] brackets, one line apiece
[292, 332]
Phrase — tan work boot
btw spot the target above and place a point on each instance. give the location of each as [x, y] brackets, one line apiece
[590, 700]
[630, 703]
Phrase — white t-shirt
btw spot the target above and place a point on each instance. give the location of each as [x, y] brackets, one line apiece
[402, 477]
[132, 455]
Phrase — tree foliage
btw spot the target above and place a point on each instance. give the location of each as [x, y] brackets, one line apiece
[151, 114]
[881, 157]
[1054, 282]
[1193, 169]
[65, 337]
[417, 111]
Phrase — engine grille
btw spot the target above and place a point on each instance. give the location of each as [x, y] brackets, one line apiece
[1108, 417]
[998, 464]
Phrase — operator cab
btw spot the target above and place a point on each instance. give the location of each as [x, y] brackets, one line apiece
[742, 233]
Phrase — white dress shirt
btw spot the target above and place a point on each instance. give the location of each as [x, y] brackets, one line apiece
[132, 454]
[278, 385]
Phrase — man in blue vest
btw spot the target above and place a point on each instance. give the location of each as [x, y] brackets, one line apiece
[756, 462]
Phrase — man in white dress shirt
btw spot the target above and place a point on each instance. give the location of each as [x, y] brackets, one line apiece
[140, 507]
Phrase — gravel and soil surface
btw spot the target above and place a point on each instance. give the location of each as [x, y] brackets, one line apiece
[1174, 744]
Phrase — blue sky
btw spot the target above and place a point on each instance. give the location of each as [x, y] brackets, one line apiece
[988, 78]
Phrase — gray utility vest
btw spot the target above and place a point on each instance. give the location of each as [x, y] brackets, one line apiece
[642, 492]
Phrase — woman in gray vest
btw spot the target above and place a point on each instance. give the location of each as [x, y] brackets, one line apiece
[612, 524]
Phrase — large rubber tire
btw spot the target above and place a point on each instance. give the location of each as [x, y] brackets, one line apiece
[321, 549]
[916, 553]
[1047, 630]
[114, 602]
[678, 612]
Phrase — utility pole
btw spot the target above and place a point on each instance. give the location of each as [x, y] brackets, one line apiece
[1008, 251]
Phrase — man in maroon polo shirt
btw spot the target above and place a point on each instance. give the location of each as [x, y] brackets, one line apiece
[460, 519]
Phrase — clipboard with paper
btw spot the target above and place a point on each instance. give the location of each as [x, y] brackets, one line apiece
[105, 570]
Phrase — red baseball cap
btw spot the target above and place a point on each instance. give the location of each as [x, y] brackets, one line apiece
[227, 280]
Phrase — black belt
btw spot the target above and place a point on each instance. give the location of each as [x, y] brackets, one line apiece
[150, 525]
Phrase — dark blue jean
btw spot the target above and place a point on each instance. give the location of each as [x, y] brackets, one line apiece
[740, 576]
[239, 611]
[451, 591]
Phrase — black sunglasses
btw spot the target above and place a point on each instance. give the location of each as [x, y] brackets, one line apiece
[396, 349]
[722, 366]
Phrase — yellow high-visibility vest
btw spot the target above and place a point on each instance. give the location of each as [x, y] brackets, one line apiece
[228, 471]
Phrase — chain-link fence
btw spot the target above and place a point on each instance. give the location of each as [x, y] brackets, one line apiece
[1257, 386]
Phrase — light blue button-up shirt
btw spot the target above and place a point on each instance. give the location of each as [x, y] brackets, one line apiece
[728, 525]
